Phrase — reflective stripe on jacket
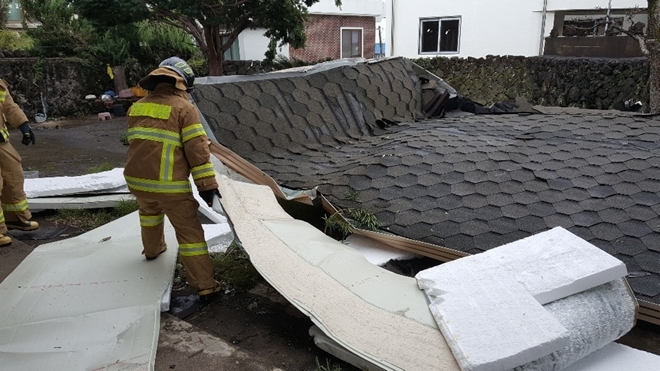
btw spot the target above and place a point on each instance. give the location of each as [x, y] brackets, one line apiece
[167, 143]
[11, 113]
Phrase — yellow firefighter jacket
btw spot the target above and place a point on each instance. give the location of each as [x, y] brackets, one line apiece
[11, 113]
[167, 143]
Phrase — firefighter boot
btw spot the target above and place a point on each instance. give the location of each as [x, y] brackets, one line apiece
[23, 226]
[162, 250]
[208, 296]
[4, 240]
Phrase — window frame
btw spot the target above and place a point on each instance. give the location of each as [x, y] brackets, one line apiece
[439, 20]
[341, 41]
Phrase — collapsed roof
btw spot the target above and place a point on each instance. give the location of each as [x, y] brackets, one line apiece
[470, 183]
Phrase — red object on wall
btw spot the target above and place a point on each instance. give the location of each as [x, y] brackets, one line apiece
[324, 37]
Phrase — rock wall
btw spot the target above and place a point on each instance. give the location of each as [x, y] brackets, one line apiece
[63, 83]
[550, 81]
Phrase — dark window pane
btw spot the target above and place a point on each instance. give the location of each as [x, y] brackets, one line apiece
[429, 36]
[357, 44]
[351, 43]
[449, 36]
[346, 43]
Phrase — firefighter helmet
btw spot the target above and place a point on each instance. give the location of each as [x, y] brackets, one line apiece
[180, 66]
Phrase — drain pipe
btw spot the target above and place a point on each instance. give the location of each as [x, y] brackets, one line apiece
[608, 17]
[545, 13]
[391, 31]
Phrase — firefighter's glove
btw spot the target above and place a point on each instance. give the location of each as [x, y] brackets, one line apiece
[28, 135]
[207, 196]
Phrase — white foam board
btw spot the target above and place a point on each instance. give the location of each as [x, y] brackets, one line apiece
[218, 237]
[536, 270]
[91, 302]
[551, 265]
[70, 185]
[617, 357]
[78, 202]
[376, 253]
[492, 322]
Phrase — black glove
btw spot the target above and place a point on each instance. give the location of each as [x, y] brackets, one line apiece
[207, 195]
[28, 135]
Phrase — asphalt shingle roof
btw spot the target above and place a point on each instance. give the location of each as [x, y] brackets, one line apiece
[470, 183]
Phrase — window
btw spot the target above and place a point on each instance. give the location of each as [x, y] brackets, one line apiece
[14, 12]
[233, 53]
[439, 35]
[351, 43]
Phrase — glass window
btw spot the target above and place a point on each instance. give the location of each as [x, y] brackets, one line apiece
[440, 35]
[14, 12]
[233, 53]
[351, 43]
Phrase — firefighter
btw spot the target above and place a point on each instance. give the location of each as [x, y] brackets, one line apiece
[167, 143]
[14, 213]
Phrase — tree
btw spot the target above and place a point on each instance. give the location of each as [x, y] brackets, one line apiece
[65, 34]
[649, 44]
[653, 47]
[214, 24]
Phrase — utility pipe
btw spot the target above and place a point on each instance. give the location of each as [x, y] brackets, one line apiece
[545, 13]
[609, 14]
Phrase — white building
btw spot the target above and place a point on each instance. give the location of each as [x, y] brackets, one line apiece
[476, 28]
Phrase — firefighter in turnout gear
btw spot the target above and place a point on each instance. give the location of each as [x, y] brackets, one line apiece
[14, 213]
[167, 143]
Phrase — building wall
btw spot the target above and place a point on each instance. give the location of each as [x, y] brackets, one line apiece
[252, 45]
[487, 27]
[324, 37]
[349, 7]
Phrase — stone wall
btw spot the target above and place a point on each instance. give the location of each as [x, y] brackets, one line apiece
[550, 81]
[64, 83]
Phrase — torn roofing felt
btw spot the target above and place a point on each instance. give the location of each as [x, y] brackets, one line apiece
[469, 183]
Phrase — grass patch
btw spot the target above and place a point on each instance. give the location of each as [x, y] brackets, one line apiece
[327, 367]
[106, 166]
[123, 138]
[92, 218]
[234, 269]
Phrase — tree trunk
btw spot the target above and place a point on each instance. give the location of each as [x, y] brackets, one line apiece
[214, 61]
[120, 78]
[654, 76]
[653, 35]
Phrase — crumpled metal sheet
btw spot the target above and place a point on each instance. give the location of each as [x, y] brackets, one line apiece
[378, 315]
[91, 302]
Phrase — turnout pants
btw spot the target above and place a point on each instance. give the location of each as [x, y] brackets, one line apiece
[193, 250]
[13, 202]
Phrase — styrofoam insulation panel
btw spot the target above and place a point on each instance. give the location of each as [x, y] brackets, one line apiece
[70, 185]
[78, 202]
[91, 302]
[491, 322]
[617, 357]
[551, 265]
[594, 318]
[376, 253]
[382, 317]
[218, 237]
[493, 292]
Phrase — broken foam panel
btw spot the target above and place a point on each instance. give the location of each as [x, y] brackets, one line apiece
[594, 319]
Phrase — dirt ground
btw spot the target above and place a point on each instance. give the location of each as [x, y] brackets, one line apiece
[258, 321]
